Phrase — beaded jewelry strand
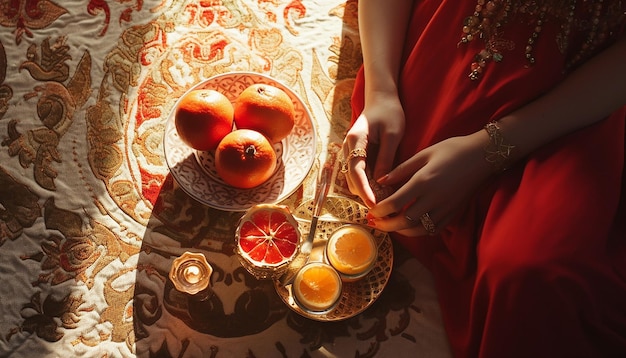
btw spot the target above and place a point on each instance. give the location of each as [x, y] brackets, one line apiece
[484, 23]
[596, 20]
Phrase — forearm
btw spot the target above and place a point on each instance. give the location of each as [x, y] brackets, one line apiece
[382, 27]
[586, 96]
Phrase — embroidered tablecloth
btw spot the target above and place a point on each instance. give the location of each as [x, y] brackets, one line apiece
[91, 219]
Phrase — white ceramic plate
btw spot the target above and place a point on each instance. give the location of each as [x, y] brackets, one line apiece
[195, 170]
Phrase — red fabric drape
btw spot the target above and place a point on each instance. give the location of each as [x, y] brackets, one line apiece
[536, 265]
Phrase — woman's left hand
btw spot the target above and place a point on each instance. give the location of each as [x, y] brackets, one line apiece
[434, 183]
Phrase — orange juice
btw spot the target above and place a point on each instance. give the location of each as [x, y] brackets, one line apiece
[317, 287]
[352, 251]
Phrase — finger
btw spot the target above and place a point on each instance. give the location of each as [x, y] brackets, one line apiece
[405, 170]
[428, 223]
[355, 166]
[385, 156]
[413, 231]
[396, 202]
[393, 223]
[358, 182]
[356, 137]
[406, 225]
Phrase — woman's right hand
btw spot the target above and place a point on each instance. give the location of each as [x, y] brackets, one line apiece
[378, 130]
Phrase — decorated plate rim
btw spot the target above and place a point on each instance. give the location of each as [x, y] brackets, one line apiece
[184, 166]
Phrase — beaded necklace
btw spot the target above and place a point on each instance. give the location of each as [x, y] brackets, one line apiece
[595, 19]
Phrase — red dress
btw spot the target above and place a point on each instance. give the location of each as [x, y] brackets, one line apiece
[535, 266]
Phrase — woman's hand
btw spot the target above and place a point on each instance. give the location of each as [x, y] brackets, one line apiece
[435, 181]
[378, 130]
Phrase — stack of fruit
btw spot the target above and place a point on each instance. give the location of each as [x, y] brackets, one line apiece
[242, 133]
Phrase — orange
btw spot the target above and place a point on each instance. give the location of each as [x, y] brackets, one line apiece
[317, 287]
[202, 118]
[266, 109]
[351, 250]
[267, 239]
[245, 159]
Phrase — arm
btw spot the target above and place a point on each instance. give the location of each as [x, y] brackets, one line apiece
[382, 28]
[586, 96]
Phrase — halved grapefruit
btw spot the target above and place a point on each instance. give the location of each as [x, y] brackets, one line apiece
[268, 239]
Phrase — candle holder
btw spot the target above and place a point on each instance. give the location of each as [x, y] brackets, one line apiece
[191, 273]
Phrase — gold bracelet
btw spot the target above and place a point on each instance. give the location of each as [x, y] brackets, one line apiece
[498, 150]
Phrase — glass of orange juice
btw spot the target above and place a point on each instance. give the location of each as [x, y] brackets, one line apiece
[352, 251]
[317, 287]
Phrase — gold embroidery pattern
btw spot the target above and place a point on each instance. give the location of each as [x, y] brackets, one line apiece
[6, 92]
[87, 196]
[41, 317]
[26, 16]
[592, 23]
[56, 105]
[21, 208]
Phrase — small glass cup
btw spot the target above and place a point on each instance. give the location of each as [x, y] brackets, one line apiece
[317, 288]
[355, 258]
[191, 273]
[261, 269]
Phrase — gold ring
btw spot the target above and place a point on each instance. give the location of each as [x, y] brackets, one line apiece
[428, 223]
[354, 153]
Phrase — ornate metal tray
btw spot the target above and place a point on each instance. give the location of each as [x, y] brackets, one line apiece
[356, 296]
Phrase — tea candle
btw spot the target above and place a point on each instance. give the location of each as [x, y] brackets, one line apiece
[191, 273]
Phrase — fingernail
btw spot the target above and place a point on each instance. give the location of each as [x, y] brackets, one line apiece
[383, 179]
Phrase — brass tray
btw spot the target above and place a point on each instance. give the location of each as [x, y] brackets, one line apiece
[356, 296]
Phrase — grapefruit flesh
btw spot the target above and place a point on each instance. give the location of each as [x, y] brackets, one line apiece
[269, 235]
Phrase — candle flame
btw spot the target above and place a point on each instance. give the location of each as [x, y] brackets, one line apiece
[192, 274]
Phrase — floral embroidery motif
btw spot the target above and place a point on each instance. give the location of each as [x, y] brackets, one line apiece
[91, 120]
[26, 15]
[43, 317]
[56, 105]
